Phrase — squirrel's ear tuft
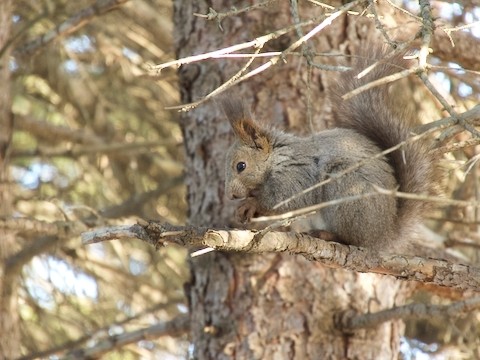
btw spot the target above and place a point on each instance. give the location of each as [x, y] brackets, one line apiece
[244, 127]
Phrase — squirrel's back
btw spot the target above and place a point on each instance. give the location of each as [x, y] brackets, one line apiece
[373, 114]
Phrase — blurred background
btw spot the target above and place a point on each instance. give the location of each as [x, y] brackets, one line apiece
[93, 145]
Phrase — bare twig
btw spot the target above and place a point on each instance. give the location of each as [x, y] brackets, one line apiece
[378, 24]
[226, 85]
[448, 31]
[219, 16]
[428, 26]
[276, 59]
[420, 197]
[314, 208]
[446, 105]
[330, 7]
[256, 43]
[381, 81]
[408, 13]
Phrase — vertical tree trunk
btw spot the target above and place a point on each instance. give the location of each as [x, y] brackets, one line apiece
[9, 324]
[273, 305]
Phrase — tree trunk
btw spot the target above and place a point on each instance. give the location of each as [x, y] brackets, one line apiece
[267, 306]
[9, 323]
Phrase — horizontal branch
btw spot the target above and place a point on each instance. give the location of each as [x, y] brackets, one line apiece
[173, 327]
[351, 321]
[412, 268]
[97, 148]
[40, 227]
[54, 134]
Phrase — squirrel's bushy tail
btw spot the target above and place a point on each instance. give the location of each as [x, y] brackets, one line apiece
[373, 114]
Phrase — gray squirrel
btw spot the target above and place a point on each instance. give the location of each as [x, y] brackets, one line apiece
[266, 166]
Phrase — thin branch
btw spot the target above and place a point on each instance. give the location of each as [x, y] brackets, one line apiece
[285, 218]
[70, 25]
[34, 226]
[351, 321]
[312, 209]
[419, 197]
[466, 117]
[258, 42]
[428, 26]
[92, 149]
[458, 146]
[23, 30]
[406, 12]
[330, 7]
[307, 51]
[461, 27]
[412, 268]
[446, 105]
[55, 133]
[133, 205]
[91, 336]
[175, 327]
[381, 81]
[52, 234]
[469, 116]
[335, 177]
[40, 245]
[461, 243]
[214, 15]
[226, 85]
[379, 26]
[273, 61]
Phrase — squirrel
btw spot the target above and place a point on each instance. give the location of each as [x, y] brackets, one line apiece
[266, 166]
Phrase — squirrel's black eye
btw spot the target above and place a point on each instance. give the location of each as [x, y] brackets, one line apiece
[241, 166]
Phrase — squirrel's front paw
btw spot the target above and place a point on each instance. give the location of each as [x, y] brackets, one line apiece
[247, 210]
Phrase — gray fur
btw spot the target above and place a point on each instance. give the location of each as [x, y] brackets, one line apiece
[366, 126]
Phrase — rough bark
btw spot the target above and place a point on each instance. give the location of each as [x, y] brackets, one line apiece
[9, 324]
[271, 305]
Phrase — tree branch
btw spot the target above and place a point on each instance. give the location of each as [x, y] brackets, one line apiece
[273, 61]
[350, 320]
[405, 267]
[51, 235]
[95, 335]
[174, 327]
[70, 25]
